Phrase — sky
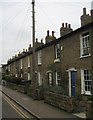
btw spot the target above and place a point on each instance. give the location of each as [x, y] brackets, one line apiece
[16, 22]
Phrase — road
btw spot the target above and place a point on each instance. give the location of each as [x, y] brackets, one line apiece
[0, 105]
[10, 109]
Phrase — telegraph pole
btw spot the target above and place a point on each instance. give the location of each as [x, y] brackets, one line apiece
[91, 114]
[33, 39]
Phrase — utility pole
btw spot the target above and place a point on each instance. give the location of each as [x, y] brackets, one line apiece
[33, 39]
[91, 114]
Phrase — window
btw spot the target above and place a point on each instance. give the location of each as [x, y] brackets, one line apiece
[21, 75]
[21, 62]
[16, 75]
[28, 76]
[9, 68]
[39, 79]
[58, 78]
[28, 59]
[57, 51]
[50, 79]
[85, 48]
[86, 82]
[39, 57]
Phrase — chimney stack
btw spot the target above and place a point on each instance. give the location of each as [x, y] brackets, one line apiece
[85, 18]
[50, 38]
[65, 29]
[84, 11]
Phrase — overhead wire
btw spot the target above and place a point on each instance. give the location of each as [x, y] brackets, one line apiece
[49, 19]
[11, 19]
[13, 16]
[66, 4]
[20, 34]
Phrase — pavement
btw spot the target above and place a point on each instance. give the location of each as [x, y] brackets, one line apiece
[38, 107]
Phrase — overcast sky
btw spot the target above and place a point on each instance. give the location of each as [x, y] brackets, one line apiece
[16, 21]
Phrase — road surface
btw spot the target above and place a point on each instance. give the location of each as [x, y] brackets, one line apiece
[10, 109]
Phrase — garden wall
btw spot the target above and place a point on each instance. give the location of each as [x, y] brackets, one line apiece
[64, 102]
[60, 101]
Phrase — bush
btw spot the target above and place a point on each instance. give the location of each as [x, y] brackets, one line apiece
[57, 89]
[12, 79]
[7, 78]
[43, 88]
[16, 80]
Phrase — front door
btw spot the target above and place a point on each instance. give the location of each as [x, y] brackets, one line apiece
[73, 80]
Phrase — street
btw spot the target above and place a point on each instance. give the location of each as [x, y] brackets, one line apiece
[0, 105]
[10, 109]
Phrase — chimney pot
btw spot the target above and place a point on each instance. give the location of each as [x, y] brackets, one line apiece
[41, 40]
[29, 45]
[84, 11]
[52, 33]
[26, 50]
[66, 25]
[36, 39]
[69, 26]
[47, 32]
[63, 25]
[29, 48]
[23, 50]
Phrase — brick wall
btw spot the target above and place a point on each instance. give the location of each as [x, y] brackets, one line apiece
[60, 101]
[64, 102]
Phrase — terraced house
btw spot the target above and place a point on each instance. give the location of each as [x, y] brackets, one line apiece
[65, 61]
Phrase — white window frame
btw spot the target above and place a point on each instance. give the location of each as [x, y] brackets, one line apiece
[9, 68]
[21, 63]
[21, 75]
[57, 51]
[28, 76]
[39, 79]
[28, 61]
[84, 45]
[83, 91]
[39, 57]
[50, 79]
[16, 75]
[58, 79]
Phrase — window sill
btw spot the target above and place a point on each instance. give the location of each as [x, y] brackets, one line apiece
[87, 93]
[57, 60]
[28, 66]
[39, 63]
[85, 56]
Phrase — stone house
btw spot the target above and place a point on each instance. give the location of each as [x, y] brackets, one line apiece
[65, 61]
